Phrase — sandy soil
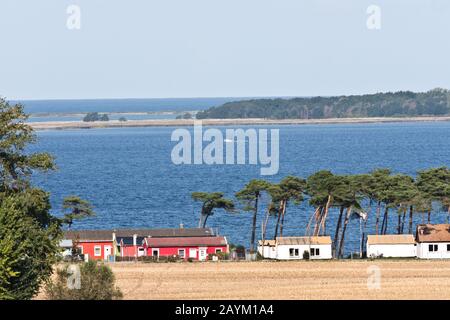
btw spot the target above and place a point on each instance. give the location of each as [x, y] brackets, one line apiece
[217, 122]
[400, 279]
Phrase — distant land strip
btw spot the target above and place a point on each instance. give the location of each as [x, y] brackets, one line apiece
[223, 122]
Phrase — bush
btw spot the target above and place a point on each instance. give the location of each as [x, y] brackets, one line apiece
[95, 116]
[89, 281]
[306, 255]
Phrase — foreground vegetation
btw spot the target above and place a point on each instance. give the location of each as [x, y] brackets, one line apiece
[377, 195]
[30, 234]
[402, 103]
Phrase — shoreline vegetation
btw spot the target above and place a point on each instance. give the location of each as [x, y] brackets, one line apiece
[390, 104]
[50, 125]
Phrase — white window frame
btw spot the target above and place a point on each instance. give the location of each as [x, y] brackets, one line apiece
[95, 251]
[435, 247]
[218, 250]
[153, 250]
[193, 253]
[184, 253]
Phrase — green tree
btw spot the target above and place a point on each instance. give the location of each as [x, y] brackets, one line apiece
[78, 209]
[211, 202]
[250, 196]
[29, 233]
[290, 189]
[27, 249]
[96, 282]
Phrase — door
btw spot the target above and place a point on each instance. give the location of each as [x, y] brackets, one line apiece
[202, 254]
[193, 253]
[108, 252]
[155, 253]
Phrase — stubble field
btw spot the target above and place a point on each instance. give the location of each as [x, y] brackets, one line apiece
[398, 279]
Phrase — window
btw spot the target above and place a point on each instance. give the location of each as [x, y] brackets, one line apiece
[314, 252]
[448, 247]
[218, 250]
[433, 247]
[181, 253]
[97, 251]
[293, 252]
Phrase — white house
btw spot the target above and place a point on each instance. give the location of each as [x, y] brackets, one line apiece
[294, 248]
[433, 241]
[267, 249]
[391, 246]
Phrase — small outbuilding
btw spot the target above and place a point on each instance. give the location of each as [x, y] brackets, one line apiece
[391, 246]
[296, 248]
[433, 241]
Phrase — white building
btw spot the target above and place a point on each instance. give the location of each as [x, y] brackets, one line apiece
[433, 241]
[294, 248]
[391, 246]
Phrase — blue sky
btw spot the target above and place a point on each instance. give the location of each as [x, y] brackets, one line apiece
[216, 48]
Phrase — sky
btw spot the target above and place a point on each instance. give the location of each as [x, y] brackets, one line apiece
[221, 48]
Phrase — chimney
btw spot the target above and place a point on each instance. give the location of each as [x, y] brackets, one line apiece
[114, 235]
[134, 239]
[181, 226]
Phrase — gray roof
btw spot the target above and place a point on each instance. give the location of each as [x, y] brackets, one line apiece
[106, 235]
[313, 240]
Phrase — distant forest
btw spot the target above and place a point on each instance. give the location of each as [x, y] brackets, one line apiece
[403, 103]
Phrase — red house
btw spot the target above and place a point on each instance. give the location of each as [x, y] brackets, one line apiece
[196, 248]
[195, 243]
[93, 244]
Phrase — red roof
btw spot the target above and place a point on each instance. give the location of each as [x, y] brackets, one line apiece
[186, 242]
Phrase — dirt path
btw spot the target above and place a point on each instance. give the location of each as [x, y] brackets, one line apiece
[407, 279]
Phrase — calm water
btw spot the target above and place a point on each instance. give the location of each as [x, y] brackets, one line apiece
[128, 175]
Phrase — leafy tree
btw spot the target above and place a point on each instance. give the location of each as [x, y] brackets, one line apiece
[95, 116]
[78, 208]
[27, 249]
[289, 189]
[211, 202]
[250, 196]
[97, 282]
[29, 233]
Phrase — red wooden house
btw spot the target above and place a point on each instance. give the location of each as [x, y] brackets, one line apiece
[93, 244]
[195, 248]
[196, 243]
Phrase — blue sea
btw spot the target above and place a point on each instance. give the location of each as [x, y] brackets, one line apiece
[128, 175]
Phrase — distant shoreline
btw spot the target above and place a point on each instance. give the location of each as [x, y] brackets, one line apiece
[64, 125]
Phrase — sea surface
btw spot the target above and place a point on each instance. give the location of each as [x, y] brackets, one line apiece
[128, 175]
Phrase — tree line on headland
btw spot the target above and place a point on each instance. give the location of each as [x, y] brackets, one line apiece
[403, 103]
[379, 195]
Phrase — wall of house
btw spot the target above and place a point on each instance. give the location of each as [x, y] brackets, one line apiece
[424, 253]
[88, 249]
[391, 250]
[269, 252]
[283, 252]
[194, 254]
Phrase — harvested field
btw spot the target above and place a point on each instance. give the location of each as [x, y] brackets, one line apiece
[400, 279]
